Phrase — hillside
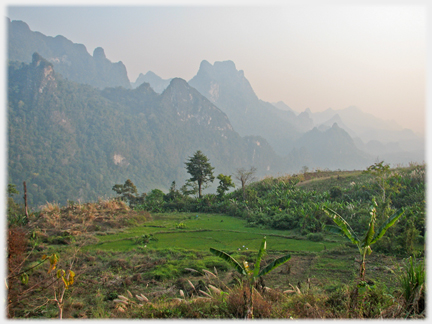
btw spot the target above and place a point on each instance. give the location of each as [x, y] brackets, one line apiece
[74, 142]
[332, 148]
[165, 122]
[160, 265]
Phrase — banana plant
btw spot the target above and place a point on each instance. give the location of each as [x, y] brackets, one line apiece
[369, 238]
[249, 274]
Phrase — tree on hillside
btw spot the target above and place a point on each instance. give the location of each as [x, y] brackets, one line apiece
[199, 167]
[225, 183]
[128, 192]
[245, 177]
[173, 193]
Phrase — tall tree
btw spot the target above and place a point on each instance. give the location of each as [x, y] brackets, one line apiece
[199, 167]
[128, 191]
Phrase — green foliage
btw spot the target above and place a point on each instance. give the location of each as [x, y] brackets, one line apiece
[145, 239]
[412, 282]
[173, 194]
[284, 203]
[387, 182]
[12, 190]
[225, 183]
[370, 236]
[181, 226]
[315, 237]
[79, 141]
[335, 192]
[200, 169]
[252, 275]
[15, 212]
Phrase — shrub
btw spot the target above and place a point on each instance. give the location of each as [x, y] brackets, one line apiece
[412, 282]
[181, 226]
[315, 237]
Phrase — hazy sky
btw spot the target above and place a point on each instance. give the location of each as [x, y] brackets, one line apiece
[312, 56]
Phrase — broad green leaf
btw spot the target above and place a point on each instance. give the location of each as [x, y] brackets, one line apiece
[230, 260]
[387, 224]
[371, 230]
[276, 263]
[335, 230]
[343, 225]
[261, 253]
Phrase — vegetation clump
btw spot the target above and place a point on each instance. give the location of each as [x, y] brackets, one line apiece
[120, 270]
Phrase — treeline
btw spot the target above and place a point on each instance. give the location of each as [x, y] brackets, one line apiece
[70, 141]
[280, 203]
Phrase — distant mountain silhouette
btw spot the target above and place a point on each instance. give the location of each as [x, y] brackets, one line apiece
[74, 134]
[157, 83]
[332, 148]
[69, 59]
[228, 89]
[366, 128]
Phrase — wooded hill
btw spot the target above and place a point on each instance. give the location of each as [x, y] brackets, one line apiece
[71, 141]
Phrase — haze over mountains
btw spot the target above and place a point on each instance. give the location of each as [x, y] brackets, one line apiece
[77, 125]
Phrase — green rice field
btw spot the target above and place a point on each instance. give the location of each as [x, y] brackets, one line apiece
[203, 231]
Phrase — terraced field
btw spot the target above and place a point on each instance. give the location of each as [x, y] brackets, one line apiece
[203, 231]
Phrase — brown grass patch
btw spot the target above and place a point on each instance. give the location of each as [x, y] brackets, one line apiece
[81, 219]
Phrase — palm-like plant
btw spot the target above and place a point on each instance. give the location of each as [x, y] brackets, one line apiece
[369, 238]
[249, 274]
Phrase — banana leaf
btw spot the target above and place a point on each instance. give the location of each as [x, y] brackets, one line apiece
[335, 230]
[371, 230]
[387, 224]
[261, 253]
[230, 260]
[276, 263]
[343, 225]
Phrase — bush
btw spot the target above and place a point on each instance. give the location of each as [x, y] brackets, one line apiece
[335, 192]
[315, 237]
[412, 281]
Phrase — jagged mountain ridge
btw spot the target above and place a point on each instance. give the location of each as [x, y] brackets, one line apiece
[228, 89]
[364, 125]
[156, 82]
[173, 113]
[73, 141]
[69, 59]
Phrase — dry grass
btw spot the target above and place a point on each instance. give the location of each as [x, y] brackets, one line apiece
[16, 245]
[82, 219]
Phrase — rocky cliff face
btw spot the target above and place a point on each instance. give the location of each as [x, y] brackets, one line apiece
[73, 141]
[188, 104]
[70, 60]
[45, 78]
